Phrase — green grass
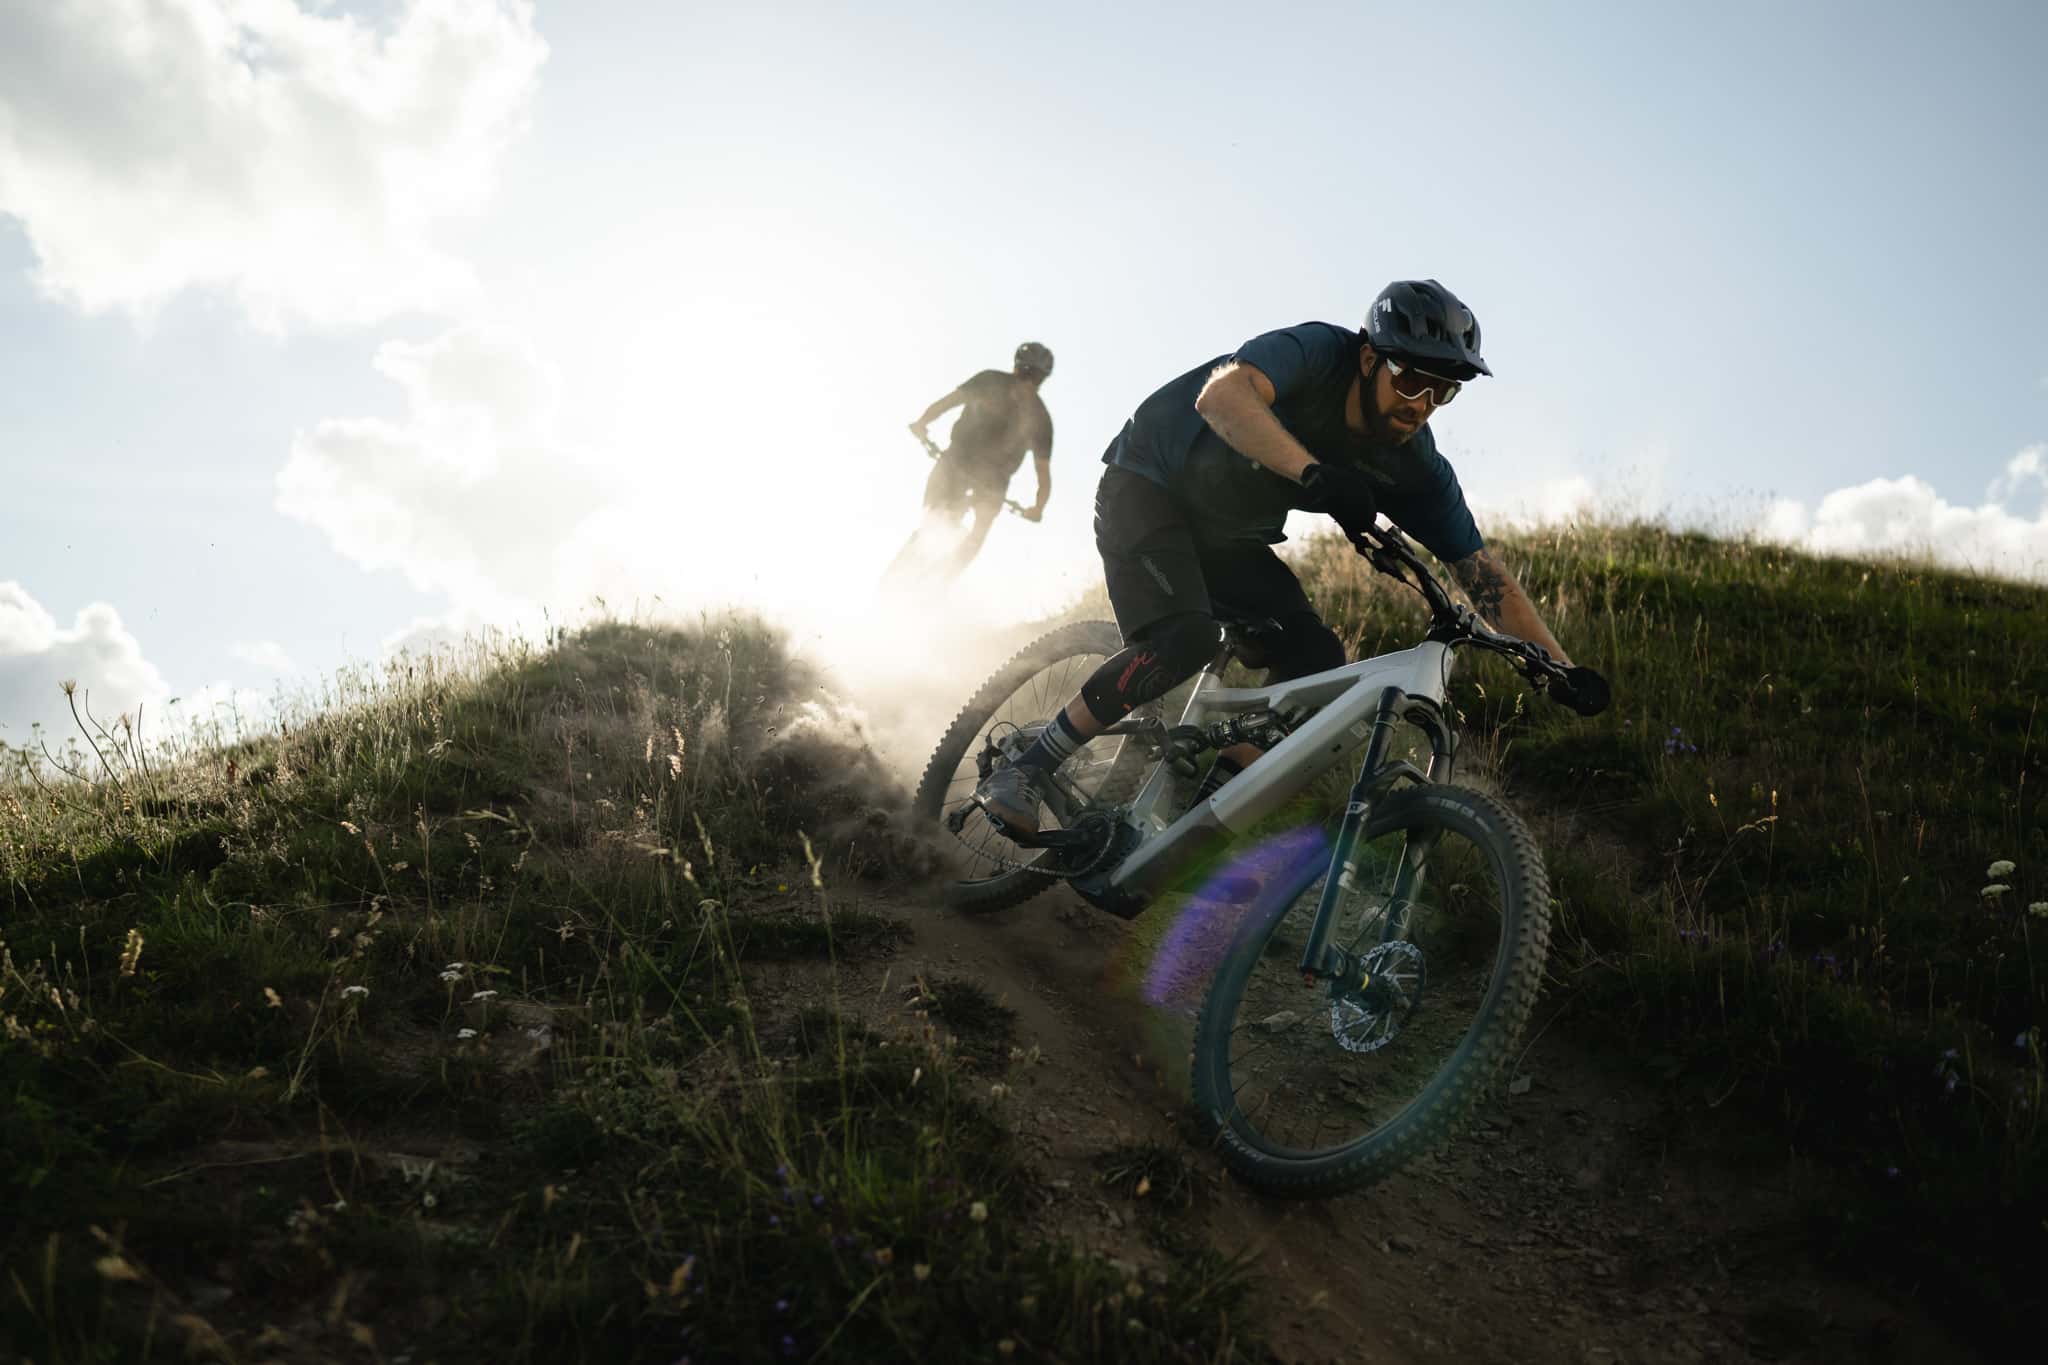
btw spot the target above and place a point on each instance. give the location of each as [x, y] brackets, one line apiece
[1770, 858]
[428, 1026]
[272, 1010]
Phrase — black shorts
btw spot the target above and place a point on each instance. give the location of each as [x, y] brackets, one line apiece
[957, 484]
[1155, 568]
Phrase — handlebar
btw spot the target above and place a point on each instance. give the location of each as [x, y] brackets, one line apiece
[1454, 623]
[931, 448]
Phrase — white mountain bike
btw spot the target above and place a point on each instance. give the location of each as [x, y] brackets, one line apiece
[1372, 956]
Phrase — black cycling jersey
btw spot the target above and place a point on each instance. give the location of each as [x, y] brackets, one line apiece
[1229, 497]
[1002, 419]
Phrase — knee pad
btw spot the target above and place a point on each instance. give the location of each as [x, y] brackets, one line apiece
[1163, 655]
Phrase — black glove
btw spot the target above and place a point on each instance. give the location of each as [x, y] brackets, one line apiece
[1344, 493]
[1583, 690]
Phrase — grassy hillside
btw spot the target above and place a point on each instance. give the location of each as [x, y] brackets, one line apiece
[491, 1012]
[492, 1015]
[1802, 866]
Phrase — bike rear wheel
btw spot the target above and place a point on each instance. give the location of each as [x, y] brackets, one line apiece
[1308, 1091]
[1020, 698]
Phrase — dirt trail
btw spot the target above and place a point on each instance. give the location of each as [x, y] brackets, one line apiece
[1583, 1220]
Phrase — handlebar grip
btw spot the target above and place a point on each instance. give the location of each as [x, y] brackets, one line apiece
[1583, 690]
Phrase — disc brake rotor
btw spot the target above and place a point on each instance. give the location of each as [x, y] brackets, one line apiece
[1366, 1021]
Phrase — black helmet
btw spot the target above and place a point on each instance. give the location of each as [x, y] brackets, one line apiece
[1422, 321]
[1034, 358]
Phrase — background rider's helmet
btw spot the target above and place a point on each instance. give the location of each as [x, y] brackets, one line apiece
[1423, 322]
[1032, 358]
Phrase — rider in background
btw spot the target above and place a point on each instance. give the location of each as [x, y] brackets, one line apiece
[1002, 417]
[1315, 417]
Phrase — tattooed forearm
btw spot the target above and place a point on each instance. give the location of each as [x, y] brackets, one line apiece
[1485, 582]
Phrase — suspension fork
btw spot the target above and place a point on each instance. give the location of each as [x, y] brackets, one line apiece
[1374, 775]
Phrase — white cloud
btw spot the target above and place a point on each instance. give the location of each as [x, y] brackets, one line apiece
[469, 494]
[2029, 466]
[37, 658]
[300, 161]
[1905, 516]
[267, 655]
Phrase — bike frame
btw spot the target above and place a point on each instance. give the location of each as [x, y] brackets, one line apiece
[1360, 701]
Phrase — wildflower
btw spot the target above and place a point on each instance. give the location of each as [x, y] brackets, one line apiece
[427, 1200]
[358, 991]
[1994, 891]
[2002, 868]
[884, 1255]
[271, 996]
[921, 1272]
[131, 952]
[482, 995]
[998, 1090]
[116, 1268]
[462, 1033]
[2039, 909]
[977, 1212]
[782, 1305]
[451, 975]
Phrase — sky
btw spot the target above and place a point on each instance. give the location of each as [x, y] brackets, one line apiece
[329, 328]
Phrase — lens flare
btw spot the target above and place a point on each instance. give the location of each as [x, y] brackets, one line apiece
[1193, 945]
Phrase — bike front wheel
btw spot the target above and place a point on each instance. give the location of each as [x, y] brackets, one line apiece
[1310, 1090]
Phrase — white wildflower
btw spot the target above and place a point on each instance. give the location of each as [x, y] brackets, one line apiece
[2002, 868]
[482, 995]
[977, 1212]
[2039, 909]
[451, 975]
[358, 991]
[465, 1033]
[1994, 891]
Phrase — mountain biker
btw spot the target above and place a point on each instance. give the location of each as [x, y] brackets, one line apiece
[1314, 417]
[1001, 417]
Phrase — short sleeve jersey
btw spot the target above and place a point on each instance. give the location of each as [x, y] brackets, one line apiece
[1230, 497]
[1001, 420]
